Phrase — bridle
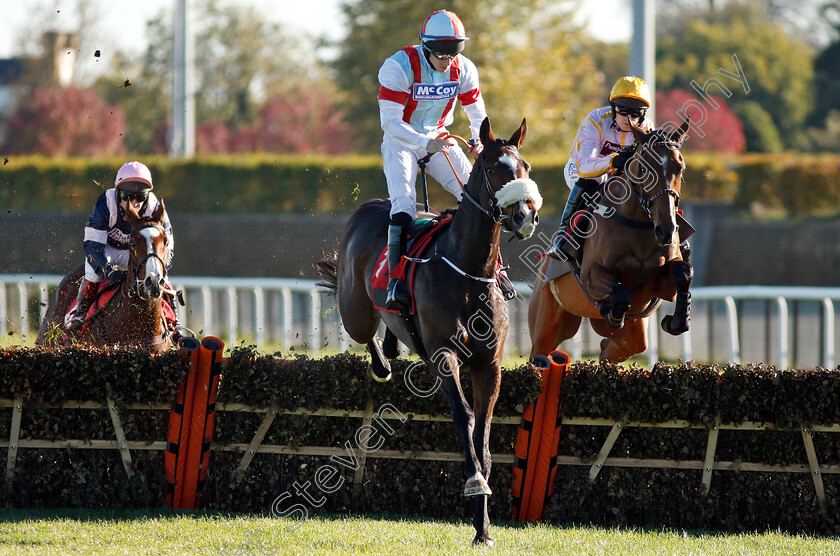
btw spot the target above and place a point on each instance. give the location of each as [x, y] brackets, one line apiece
[495, 212]
[132, 288]
[637, 185]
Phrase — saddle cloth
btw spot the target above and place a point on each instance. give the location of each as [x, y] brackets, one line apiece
[106, 291]
[419, 236]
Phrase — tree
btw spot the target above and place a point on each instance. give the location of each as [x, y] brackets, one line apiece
[241, 60]
[778, 69]
[531, 58]
[66, 122]
[304, 121]
[722, 130]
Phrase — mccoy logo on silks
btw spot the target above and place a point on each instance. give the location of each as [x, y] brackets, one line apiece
[441, 91]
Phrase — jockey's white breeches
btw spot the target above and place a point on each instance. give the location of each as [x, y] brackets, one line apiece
[400, 165]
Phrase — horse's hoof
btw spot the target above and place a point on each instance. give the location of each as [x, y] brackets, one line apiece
[477, 486]
[615, 322]
[669, 325]
[483, 541]
[380, 375]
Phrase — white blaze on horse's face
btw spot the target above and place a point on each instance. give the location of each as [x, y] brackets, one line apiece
[152, 279]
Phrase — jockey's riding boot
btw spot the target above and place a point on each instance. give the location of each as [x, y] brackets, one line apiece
[398, 298]
[87, 293]
[572, 205]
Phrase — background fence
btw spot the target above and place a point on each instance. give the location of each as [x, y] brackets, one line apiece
[786, 326]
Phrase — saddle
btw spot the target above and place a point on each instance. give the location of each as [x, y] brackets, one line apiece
[420, 234]
[104, 295]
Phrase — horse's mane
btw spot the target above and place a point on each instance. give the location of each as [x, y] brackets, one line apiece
[448, 212]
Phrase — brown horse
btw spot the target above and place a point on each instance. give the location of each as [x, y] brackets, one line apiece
[134, 316]
[631, 259]
[461, 318]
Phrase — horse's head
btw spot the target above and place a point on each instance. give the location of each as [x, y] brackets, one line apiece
[655, 173]
[149, 253]
[512, 197]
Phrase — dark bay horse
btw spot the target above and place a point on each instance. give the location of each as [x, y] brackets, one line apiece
[134, 316]
[630, 261]
[461, 317]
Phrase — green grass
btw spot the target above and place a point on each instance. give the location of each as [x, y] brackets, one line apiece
[170, 532]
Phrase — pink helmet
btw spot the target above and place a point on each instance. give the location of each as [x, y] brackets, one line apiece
[443, 33]
[134, 177]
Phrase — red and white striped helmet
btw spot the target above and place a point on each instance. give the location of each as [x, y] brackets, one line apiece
[443, 33]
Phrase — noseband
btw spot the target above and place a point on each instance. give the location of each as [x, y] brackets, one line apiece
[637, 186]
[132, 287]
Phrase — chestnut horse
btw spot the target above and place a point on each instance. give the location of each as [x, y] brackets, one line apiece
[134, 316]
[461, 317]
[631, 259]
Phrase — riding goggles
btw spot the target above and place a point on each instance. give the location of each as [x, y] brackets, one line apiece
[629, 112]
[438, 55]
[137, 197]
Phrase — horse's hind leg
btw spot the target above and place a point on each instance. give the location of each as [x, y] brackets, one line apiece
[380, 368]
[390, 345]
[621, 344]
[675, 324]
[548, 324]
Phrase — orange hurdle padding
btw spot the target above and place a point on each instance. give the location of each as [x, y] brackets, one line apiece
[177, 436]
[202, 420]
[527, 444]
[549, 431]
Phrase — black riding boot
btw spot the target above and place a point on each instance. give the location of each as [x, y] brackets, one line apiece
[573, 204]
[398, 298]
[87, 293]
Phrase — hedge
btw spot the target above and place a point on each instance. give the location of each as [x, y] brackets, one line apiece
[791, 184]
[697, 393]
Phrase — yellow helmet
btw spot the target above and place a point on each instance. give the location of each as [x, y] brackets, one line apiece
[632, 90]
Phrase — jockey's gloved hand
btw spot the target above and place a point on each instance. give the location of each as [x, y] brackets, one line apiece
[112, 273]
[619, 161]
[437, 145]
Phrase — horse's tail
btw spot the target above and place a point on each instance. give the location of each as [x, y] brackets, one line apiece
[328, 270]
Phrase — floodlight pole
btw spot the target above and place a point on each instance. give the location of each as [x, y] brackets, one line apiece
[182, 133]
[643, 46]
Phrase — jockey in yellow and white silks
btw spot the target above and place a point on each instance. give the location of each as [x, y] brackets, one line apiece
[419, 86]
[602, 147]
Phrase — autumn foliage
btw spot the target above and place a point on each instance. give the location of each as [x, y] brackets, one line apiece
[65, 122]
[721, 130]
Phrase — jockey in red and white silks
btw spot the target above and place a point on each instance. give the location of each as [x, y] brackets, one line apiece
[416, 103]
[419, 86]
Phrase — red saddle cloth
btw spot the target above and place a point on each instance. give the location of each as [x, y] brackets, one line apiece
[405, 270]
[104, 294]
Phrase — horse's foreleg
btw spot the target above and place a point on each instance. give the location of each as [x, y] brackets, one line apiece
[615, 306]
[485, 393]
[446, 366]
[681, 273]
[611, 298]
